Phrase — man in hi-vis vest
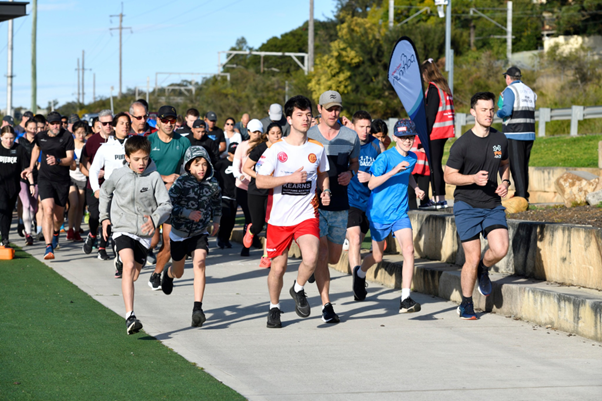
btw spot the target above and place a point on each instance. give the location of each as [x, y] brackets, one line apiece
[517, 108]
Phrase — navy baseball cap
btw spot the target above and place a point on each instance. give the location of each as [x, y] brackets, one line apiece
[167, 111]
[9, 119]
[53, 117]
[199, 123]
[211, 116]
[513, 72]
[405, 127]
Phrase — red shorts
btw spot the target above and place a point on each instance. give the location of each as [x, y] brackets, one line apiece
[279, 238]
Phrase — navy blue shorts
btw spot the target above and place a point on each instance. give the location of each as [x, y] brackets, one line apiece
[471, 222]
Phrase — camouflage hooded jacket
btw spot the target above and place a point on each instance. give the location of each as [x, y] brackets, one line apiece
[187, 195]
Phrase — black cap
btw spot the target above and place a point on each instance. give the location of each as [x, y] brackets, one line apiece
[9, 119]
[167, 111]
[232, 147]
[28, 114]
[513, 72]
[211, 116]
[53, 117]
[73, 118]
[199, 123]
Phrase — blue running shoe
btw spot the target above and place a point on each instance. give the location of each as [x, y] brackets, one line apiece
[430, 205]
[485, 286]
[466, 312]
[55, 242]
[49, 254]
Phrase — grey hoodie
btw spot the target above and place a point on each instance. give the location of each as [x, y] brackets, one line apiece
[131, 196]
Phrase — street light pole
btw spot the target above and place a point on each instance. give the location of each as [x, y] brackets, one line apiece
[310, 37]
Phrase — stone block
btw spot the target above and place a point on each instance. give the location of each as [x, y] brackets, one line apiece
[575, 185]
[593, 198]
[515, 204]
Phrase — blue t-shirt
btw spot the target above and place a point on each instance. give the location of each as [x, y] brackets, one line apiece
[389, 202]
[358, 192]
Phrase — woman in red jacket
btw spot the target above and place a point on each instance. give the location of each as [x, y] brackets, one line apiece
[440, 125]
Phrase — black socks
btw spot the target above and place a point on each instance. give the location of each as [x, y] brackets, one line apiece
[197, 306]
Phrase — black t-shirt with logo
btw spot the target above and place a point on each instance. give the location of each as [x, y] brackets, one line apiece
[12, 162]
[471, 154]
[56, 146]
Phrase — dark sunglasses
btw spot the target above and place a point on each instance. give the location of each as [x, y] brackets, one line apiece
[170, 120]
[105, 123]
[140, 117]
[229, 124]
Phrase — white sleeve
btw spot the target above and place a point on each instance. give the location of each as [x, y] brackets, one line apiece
[324, 165]
[97, 164]
[266, 164]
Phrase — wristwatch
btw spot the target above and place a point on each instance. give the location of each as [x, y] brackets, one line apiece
[58, 161]
[507, 180]
[327, 190]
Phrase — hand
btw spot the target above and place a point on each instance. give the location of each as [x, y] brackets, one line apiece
[32, 190]
[325, 198]
[105, 226]
[346, 122]
[481, 178]
[148, 228]
[420, 193]
[97, 193]
[172, 178]
[51, 160]
[215, 229]
[101, 174]
[363, 177]
[502, 190]
[25, 173]
[344, 178]
[400, 167]
[196, 216]
[298, 177]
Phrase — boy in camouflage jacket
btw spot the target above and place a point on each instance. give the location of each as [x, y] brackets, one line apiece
[196, 200]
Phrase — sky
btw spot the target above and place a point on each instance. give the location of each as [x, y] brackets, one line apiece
[166, 36]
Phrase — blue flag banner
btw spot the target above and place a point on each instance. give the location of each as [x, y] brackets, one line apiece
[406, 79]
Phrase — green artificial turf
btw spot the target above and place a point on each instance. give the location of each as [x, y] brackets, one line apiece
[57, 343]
[558, 151]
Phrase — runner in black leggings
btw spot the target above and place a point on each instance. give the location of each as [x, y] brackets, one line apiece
[13, 160]
[258, 198]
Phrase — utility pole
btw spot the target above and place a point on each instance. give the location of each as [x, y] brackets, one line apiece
[509, 32]
[34, 79]
[78, 92]
[121, 28]
[391, 12]
[9, 71]
[310, 37]
[449, 53]
[83, 72]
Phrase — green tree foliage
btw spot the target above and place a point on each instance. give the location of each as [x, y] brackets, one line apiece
[572, 17]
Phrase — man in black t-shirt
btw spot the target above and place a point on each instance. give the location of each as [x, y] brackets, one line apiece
[57, 146]
[475, 160]
[199, 137]
[214, 132]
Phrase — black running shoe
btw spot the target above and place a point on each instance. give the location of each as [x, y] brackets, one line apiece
[133, 325]
[257, 242]
[359, 286]
[28, 240]
[166, 282]
[408, 305]
[221, 244]
[102, 254]
[227, 244]
[151, 259]
[312, 279]
[274, 319]
[244, 252]
[88, 244]
[485, 286]
[198, 318]
[301, 305]
[328, 315]
[20, 228]
[118, 267]
[155, 282]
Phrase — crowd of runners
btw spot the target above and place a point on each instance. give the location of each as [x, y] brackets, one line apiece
[154, 189]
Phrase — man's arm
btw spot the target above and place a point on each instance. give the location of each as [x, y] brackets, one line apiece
[452, 176]
[506, 110]
[269, 182]
[376, 181]
[66, 161]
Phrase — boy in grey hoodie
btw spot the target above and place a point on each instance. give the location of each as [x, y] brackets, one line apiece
[196, 201]
[138, 203]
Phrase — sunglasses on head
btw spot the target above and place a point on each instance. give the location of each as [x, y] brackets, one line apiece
[140, 117]
[170, 120]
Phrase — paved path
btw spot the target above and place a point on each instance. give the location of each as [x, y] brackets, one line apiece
[374, 352]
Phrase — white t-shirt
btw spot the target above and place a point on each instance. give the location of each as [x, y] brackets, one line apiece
[77, 174]
[293, 203]
[236, 138]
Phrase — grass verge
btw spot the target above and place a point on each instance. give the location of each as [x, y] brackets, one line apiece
[58, 343]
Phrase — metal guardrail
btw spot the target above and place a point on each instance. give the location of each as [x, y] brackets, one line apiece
[543, 116]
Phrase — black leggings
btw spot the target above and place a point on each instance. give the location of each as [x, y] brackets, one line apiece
[227, 221]
[423, 182]
[437, 146]
[257, 209]
[7, 205]
[241, 199]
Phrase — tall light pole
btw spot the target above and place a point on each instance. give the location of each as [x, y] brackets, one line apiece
[310, 37]
[9, 71]
[509, 32]
[391, 12]
[121, 28]
[34, 78]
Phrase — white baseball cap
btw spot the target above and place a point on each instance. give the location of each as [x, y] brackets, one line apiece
[255, 125]
[275, 112]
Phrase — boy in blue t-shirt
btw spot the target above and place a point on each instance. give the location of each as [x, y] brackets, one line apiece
[388, 211]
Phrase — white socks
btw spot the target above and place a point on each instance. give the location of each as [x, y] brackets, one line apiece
[128, 314]
[274, 305]
[361, 273]
[405, 293]
[298, 287]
